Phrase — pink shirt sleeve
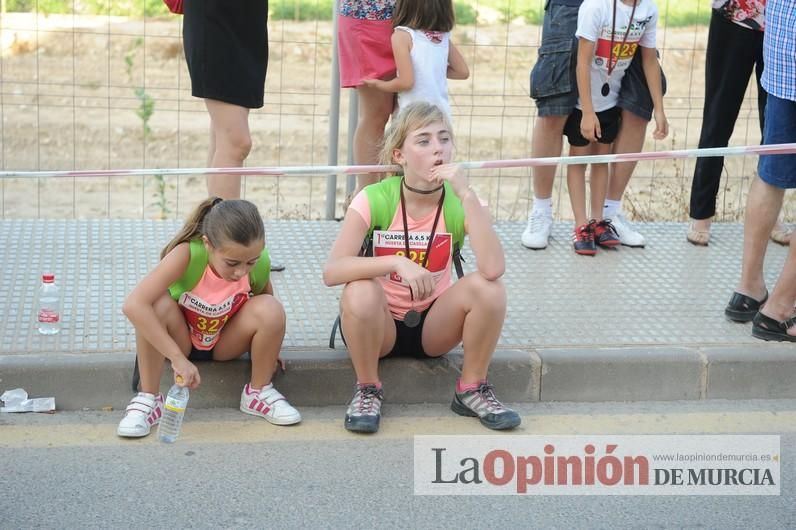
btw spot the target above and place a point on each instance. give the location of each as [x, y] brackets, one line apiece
[361, 206]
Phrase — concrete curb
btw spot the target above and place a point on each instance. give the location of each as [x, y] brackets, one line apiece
[312, 378]
[325, 377]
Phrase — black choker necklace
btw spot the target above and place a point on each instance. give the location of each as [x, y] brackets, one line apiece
[422, 192]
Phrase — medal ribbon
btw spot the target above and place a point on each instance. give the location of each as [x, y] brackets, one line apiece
[431, 236]
[611, 60]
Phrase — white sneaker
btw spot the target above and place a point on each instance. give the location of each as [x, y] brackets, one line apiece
[537, 232]
[268, 403]
[143, 412]
[627, 235]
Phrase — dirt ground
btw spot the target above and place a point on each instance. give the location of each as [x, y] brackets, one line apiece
[73, 87]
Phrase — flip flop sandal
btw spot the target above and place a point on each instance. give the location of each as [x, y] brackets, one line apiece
[767, 328]
[781, 236]
[696, 237]
[743, 308]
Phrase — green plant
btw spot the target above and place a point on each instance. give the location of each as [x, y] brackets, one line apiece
[145, 110]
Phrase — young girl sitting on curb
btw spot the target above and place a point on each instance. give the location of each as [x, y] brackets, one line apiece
[401, 300]
[209, 298]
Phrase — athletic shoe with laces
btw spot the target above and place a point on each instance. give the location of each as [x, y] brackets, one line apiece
[605, 235]
[583, 239]
[483, 404]
[537, 233]
[143, 412]
[624, 230]
[268, 403]
[364, 411]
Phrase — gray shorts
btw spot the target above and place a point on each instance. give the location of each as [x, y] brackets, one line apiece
[553, 83]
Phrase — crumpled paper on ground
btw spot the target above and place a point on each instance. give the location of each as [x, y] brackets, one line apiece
[17, 401]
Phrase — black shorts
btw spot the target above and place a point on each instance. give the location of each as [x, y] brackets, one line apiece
[610, 121]
[200, 355]
[408, 341]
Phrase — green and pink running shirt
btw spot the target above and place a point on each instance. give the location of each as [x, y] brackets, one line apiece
[210, 304]
[391, 242]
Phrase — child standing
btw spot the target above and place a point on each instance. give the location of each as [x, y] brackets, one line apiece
[424, 55]
[212, 277]
[401, 301]
[609, 33]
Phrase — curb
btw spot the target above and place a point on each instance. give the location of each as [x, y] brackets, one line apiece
[325, 378]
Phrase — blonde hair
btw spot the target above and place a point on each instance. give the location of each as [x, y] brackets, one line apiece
[220, 222]
[410, 118]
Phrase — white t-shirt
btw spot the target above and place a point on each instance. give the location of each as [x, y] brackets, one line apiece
[430, 65]
[595, 19]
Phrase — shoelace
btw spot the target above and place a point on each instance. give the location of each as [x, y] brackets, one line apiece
[608, 225]
[487, 392]
[585, 233]
[367, 395]
[537, 221]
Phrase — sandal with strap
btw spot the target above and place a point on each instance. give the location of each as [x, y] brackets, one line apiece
[781, 235]
[696, 237]
[767, 328]
[742, 308]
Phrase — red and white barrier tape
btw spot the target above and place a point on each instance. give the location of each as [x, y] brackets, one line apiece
[775, 149]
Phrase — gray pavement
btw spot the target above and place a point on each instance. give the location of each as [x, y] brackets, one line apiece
[227, 470]
[628, 324]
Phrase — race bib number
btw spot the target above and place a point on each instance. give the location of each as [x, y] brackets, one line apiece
[389, 243]
[205, 319]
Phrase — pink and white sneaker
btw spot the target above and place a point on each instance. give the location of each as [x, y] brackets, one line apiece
[268, 403]
[143, 412]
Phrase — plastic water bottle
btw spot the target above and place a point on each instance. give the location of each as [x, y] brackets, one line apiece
[49, 315]
[173, 412]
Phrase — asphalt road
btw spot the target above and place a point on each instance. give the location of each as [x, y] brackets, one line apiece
[69, 470]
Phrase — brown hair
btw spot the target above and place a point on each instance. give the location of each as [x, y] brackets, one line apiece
[221, 221]
[412, 117]
[431, 15]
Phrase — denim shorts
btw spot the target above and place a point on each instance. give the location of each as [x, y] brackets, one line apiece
[553, 80]
[780, 128]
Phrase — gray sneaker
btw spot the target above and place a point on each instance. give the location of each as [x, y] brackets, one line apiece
[483, 404]
[364, 412]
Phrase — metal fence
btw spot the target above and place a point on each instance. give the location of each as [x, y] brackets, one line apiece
[92, 92]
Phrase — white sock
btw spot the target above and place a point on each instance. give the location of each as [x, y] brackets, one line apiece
[611, 208]
[544, 206]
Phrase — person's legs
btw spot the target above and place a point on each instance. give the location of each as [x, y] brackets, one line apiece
[375, 108]
[779, 306]
[150, 361]
[636, 104]
[547, 142]
[730, 58]
[471, 311]
[762, 208]
[553, 87]
[369, 332]
[259, 328]
[146, 407]
[232, 141]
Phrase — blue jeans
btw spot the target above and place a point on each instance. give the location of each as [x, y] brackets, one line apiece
[780, 128]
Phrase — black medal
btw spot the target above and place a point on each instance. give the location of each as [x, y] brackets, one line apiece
[411, 318]
[605, 90]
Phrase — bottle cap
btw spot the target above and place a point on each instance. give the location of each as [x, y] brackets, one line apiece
[48, 278]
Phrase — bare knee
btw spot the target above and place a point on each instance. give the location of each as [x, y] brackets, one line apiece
[363, 300]
[268, 311]
[236, 144]
[491, 293]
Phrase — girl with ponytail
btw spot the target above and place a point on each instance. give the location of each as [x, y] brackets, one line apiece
[213, 277]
